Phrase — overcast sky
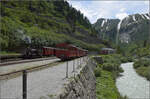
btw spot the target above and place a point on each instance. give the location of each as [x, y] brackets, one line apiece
[94, 9]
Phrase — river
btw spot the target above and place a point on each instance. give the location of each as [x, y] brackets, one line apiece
[131, 84]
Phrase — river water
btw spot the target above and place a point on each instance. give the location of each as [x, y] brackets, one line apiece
[131, 84]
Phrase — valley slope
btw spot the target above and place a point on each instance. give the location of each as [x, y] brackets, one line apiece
[44, 23]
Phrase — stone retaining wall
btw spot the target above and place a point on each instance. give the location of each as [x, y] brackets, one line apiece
[83, 85]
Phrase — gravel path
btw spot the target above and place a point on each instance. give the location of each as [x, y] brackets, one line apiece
[21, 66]
[40, 84]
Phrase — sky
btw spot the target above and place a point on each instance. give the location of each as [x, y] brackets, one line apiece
[95, 9]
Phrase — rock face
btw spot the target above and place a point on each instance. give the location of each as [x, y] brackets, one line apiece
[83, 86]
[133, 28]
[106, 28]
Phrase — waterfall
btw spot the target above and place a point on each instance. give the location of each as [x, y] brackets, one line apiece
[103, 23]
[118, 28]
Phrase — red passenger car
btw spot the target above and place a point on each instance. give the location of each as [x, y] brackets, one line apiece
[69, 51]
[48, 51]
[106, 51]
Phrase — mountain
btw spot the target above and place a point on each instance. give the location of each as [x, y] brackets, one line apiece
[133, 28]
[44, 23]
[106, 28]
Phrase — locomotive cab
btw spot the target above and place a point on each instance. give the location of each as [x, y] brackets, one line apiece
[32, 53]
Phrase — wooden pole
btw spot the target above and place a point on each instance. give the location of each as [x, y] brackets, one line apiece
[67, 70]
[24, 84]
[80, 60]
[73, 65]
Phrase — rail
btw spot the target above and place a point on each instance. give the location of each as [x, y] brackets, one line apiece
[25, 61]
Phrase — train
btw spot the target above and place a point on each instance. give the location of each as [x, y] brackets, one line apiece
[63, 51]
[105, 51]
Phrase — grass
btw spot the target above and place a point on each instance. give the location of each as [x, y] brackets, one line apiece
[51, 96]
[8, 53]
[105, 86]
[46, 24]
[142, 67]
[42, 97]
[106, 75]
[144, 71]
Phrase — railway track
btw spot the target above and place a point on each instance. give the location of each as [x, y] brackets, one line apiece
[15, 61]
[8, 58]
[30, 69]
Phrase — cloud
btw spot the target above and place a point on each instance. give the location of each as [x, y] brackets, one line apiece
[121, 15]
[147, 2]
[109, 9]
[122, 9]
[83, 9]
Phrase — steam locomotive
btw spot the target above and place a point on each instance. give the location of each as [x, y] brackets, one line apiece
[63, 51]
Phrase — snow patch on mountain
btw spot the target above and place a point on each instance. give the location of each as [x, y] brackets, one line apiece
[147, 16]
[106, 20]
[134, 18]
[103, 23]
[142, 16]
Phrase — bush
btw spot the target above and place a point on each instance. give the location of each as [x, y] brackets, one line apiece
[97, 72]
[111, 67]
[120, 70]
[108, 66]
[142, 67]
[144, 71]
[141, 52]
[137, 64]
[141, 62]
[124, 59]
[112, 62]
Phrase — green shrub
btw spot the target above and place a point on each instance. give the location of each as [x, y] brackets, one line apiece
[141, 52]
[124, 59]
[141, 62]
[144, 71]
[111, 67]
[137, 64]
[108, 66]
[97, 72]
[120, 70]
[142, 67]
